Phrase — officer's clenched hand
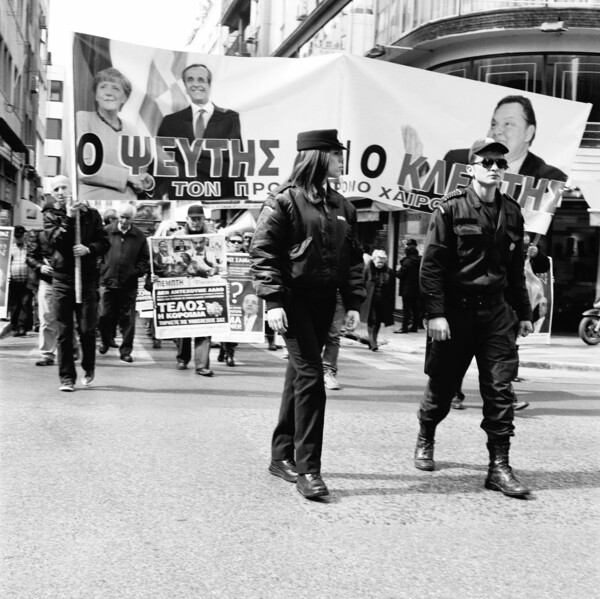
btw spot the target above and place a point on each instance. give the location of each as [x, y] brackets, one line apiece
[352, 320]
[438, 329]
[277, 320]
[525, 327]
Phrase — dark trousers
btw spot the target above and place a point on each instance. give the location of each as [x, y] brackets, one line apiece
[19, 305]
[117, 306]
[374, 321]
[86, 316]
[302, 411]
[487, 334]
[410, 312]
[201, 351]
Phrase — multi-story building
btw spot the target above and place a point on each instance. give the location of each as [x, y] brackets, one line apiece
[544, 46]
[23, 58]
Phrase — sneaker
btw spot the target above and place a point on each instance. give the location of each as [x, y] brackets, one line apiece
[88, 378]
[520, 405]
[67, 385]
[330, 382]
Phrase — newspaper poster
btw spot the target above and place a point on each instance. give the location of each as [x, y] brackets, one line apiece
[541, 295]
[143, 301]
[246, 309]
[6, 239]
[190, 294]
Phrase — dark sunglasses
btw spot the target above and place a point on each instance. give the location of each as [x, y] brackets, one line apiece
[236, 241]
[501, 163]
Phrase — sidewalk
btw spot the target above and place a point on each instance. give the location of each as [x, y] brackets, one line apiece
[564, 352]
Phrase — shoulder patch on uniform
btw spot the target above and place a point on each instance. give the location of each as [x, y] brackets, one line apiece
[454, 194]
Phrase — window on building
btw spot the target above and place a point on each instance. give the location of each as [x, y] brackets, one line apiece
[51, 166]
[53, 129]
[56, 91]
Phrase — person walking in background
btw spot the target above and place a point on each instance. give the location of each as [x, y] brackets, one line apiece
[60, 225]
[19, 290]
[473, 260]
[409, 290]
[126, 261]
[39, 255]
[304, 249]
[332, 346]
[378, 307]
[195, 225]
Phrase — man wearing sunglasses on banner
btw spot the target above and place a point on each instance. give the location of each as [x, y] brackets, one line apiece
[472, 262]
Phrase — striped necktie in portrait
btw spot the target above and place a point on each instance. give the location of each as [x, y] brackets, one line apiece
[199, 130]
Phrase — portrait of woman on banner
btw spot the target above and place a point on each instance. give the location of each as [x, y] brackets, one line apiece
[112, 181]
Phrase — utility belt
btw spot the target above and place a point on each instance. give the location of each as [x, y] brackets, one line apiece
[474, 302]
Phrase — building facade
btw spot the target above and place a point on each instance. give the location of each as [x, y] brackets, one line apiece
[23, 88]
[546, 47]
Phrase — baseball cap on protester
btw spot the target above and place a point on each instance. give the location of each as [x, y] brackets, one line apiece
[488, 144]
[195, 209]
[319, 139]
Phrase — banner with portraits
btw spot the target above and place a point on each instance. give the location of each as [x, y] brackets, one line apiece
[6, 240]
[189, 290]
[162, 124]
[540, 287]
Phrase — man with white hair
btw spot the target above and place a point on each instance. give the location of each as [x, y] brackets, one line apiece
[60, 224]
[126, 261]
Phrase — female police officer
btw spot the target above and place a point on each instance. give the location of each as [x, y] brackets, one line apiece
[304, 249]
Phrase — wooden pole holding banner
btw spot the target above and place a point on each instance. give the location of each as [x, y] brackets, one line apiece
[77, 260]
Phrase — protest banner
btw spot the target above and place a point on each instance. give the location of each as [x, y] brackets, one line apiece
[190, 295]
[6, 240]
[246, 309]
[404, 128]
[540, 287]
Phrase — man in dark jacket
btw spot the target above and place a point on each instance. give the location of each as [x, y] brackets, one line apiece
[60, 223]
[408, 273]
[126, 261]
[39, 255]
[378, 307]
[473, 260]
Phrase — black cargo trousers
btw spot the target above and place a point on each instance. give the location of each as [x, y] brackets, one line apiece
[488, 333]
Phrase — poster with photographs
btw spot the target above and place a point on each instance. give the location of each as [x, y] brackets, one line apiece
[190, 286]
[6, 237]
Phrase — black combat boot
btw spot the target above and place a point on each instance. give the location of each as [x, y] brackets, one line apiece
[424, 448]
[500, 475]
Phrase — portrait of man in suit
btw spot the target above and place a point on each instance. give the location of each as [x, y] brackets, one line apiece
[201, 120]
[514, 125]
[252, 319]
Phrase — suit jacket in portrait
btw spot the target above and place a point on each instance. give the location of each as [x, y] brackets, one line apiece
[223, 124]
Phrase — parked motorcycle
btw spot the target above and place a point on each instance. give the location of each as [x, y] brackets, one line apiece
[589, 327]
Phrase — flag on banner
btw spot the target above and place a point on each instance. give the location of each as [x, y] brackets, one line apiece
[164, 93]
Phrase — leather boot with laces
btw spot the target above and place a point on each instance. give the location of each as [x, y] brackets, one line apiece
[424, 448]
[500, 475]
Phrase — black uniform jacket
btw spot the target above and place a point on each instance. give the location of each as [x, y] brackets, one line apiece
[300, 245]
[464, 257]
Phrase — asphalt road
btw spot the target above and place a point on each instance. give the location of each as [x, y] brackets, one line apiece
[153, 484]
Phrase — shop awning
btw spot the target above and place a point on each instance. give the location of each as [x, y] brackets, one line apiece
[361, 203]
[11, 138]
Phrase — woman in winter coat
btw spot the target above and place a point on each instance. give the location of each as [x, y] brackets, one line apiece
[305, 248]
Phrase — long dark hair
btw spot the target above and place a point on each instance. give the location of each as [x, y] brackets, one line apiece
[310, 171]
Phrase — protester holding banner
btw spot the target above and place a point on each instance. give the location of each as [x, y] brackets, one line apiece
[195, 225]
[60, 223]
[304, 248]
[104, 126]
[473, 260]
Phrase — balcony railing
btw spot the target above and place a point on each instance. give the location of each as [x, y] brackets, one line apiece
[419, 12]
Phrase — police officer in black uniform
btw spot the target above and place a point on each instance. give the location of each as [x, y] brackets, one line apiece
[304, 249]
[473, 262]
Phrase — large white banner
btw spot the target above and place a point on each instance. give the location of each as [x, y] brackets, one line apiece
[406, 129]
